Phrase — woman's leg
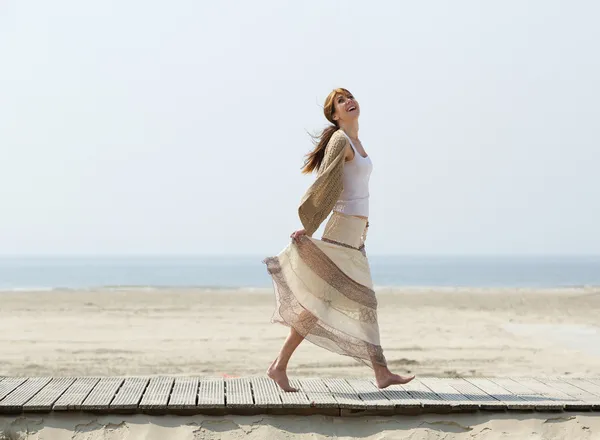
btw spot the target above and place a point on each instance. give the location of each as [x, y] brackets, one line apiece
[384, 377]
[278, 369]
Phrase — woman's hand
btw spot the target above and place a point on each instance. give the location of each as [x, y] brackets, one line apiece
[297, 234]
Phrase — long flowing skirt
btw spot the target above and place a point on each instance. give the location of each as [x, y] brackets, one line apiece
[324, 290]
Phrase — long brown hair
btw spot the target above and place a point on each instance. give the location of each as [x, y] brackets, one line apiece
[315, 157]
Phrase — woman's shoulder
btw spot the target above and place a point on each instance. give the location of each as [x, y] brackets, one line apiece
[337, 141]
[338, 134]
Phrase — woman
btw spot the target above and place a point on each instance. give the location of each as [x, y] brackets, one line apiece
[323, 287]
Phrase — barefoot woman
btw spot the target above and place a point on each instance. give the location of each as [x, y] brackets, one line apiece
[323, 286]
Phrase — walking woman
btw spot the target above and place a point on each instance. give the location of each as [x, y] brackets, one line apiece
[323, 286]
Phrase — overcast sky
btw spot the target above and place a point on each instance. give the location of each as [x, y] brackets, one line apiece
[147, 127]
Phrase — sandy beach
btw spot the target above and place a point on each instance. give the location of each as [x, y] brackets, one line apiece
[428, 332]
[439, 332]
[570, 426]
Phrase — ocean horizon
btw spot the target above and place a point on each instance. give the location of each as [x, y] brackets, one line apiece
[220, 272]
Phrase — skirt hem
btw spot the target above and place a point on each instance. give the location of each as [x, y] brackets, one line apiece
[292, 313]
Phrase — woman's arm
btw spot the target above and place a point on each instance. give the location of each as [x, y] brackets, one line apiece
[320, 198]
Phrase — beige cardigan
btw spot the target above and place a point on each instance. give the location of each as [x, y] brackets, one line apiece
[321, 196]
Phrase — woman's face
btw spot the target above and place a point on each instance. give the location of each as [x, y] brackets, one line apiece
[346, 108]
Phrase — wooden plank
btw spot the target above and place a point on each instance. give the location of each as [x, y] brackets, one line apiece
[553, 394]
[185, 393]
[399, 397]
[573, 391]
[266, 393]
[538, 401]
[73, 398]
[102, 394]
[317, 393]
[157, 394]
[446, 392]
[372, 397]
[427, 397]
[503, 395]
[211, 393]
[15, 400]
[294, 400]
[130, 394]
[238, 393]
[351, 396]
[44, 400]
[344, 394]
[475, 394]
[9, 384]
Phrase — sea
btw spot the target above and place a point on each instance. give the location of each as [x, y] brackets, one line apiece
[221, 272]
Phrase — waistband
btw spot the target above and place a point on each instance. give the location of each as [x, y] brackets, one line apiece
[346, 230]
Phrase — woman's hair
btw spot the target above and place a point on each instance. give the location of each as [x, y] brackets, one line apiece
[315, 157]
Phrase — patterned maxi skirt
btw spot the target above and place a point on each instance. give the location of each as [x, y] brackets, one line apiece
[324, 290]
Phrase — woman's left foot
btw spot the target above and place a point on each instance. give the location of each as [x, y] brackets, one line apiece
[280, 378]
[393, 379]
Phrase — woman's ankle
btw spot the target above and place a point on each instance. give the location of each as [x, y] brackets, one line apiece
[381, 371]
[279, 366]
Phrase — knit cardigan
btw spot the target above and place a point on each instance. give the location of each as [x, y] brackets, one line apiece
[321, 196]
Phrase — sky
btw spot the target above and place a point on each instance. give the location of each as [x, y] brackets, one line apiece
[137, 127]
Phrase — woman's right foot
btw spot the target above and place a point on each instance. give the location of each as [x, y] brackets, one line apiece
[392, 379]
[280, 378]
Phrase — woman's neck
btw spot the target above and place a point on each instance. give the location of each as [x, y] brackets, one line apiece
[350, 128]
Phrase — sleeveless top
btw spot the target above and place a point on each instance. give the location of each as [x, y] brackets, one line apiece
[354, 199]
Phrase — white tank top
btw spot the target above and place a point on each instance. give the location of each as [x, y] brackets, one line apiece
[354, 199]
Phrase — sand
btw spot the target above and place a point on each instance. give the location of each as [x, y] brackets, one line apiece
[442, 332]
[560, 426]
[429, 332]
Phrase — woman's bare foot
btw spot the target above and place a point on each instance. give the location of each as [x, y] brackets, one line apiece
[280, 378]
[392, 379]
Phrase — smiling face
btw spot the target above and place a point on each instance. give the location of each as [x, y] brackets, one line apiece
[346, 108]
[340, 106]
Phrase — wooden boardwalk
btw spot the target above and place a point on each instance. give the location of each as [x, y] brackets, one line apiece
[258, 395]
